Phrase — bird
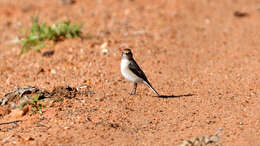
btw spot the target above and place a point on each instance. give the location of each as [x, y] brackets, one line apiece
[132, 72]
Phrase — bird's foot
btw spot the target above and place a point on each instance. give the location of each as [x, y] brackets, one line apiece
[133, 94]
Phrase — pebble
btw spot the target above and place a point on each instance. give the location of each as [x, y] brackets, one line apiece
[67, 2]
[29, 138]
[53, 71]
[214, 138]
[4, 101]
[104, 49]
[17, 113]
[5, 140]
[207, 21]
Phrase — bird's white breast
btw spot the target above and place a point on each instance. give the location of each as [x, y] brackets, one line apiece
[127, 73]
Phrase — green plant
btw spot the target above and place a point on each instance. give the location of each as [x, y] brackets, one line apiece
[35, 40]
[36, 106]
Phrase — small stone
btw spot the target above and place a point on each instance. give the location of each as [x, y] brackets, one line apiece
[83, 101]
[14, 41]
[13, 105]
[84, 86]
[53, 71]
[214, 138]
[4, 101]
[48, 53]
[147, 122]
[240, 14]
[27, 8]
[41, 70]
[5, 140]
[186, 143]
[207, 139]
[197, 140]
[207, 21]
[29, 138]
[68, 2]
[104, 49]
[219, 131]
[17, 113]
[25, 110]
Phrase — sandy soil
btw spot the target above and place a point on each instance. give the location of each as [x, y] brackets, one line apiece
[206, 49]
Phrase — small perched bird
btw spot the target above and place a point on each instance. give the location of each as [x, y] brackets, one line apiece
[132, 72]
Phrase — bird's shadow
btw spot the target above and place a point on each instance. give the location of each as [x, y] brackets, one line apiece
[175, 96]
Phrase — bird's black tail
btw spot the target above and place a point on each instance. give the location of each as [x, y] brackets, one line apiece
[150, 86]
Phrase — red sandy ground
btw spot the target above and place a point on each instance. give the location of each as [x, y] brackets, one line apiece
[184, 47]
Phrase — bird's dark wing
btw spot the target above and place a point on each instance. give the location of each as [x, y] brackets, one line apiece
[137, 70]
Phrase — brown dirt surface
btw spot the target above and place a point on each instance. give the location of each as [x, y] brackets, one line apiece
[204, 55]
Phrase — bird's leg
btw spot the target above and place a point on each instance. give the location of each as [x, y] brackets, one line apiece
[133, 92]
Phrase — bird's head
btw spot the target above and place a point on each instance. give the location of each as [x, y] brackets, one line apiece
[127, 54]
